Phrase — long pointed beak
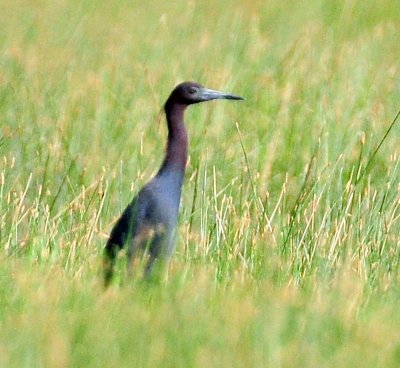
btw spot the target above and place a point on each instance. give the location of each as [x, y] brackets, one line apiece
[209, 94]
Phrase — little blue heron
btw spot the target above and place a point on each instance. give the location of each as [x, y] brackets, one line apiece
[149, 221]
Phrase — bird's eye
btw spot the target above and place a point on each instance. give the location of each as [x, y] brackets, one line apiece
[192, 90]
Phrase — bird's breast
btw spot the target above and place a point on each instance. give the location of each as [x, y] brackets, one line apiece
[165, 197]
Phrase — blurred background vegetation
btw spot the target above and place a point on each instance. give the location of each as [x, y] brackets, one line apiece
[288, 244]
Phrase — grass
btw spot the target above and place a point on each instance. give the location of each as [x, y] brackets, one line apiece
[288, 243]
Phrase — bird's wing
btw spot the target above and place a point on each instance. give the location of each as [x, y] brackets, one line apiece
[122, 227]
[125, 228]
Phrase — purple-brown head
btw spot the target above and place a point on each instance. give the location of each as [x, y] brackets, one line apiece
[188, 93]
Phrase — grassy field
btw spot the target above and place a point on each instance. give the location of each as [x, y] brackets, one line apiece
[289, 237]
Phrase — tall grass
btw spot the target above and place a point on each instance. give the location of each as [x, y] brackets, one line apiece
[288, 242]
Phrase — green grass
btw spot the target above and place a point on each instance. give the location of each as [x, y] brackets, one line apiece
[288, 244]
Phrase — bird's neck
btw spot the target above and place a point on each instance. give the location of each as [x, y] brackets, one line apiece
[177, 144]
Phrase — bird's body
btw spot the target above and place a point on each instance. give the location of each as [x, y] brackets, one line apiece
[149, 221]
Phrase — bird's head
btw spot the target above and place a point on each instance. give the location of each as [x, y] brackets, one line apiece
[188, 93]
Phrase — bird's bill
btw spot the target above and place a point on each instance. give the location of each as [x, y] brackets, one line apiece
[209, 94]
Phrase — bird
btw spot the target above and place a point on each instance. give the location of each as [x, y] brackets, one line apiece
[148, 224]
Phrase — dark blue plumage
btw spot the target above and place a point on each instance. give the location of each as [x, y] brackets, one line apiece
[149, 221]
